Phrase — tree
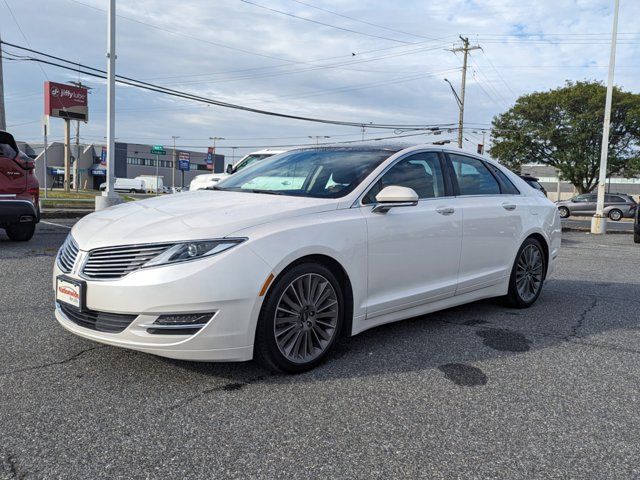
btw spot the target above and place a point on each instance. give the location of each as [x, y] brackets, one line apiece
[563, 128]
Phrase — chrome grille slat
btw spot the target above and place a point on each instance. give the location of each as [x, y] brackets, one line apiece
[67, 255]
[111, 263]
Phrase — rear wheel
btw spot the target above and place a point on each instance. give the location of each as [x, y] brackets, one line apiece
[564, 212]
[636, 237]
[300, 319]
[527, 275]
[615, 215]
[20, 232]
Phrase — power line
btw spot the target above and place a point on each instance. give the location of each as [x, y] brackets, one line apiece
[322, 23]
[362, 21]
[26, 40]
[94, 72]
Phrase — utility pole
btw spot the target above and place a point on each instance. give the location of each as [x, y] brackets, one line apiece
[599, 221]
[67, 154]
[173, 170]
[3, 118]
[465, 49]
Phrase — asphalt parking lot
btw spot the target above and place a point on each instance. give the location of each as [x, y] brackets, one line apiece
[478, 391]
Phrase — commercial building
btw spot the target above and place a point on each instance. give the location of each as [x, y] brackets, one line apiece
[131, 160]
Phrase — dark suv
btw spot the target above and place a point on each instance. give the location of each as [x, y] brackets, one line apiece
[19, 191]
[616, 206]
[636, 227]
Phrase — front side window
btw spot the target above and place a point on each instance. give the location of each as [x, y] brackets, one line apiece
[581, 198]
[319, 173]
[420, 172]
[473, 177]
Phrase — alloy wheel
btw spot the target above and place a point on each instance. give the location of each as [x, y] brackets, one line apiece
[306, 318]
[529, 272]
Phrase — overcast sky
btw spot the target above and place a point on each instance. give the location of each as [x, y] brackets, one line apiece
[384, 64]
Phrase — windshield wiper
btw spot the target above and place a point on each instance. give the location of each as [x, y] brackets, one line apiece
[268, 192]
[213, 187]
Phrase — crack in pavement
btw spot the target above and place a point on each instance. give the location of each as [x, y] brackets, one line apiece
[581, 319]
[228, 387]
[50, 364]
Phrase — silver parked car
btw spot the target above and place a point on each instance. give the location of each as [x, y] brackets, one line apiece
[616, 206]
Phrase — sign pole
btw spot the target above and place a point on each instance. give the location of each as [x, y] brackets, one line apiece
[157, 172]
[46, 173]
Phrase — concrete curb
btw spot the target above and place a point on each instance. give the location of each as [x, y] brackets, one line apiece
[70, 213]
[588, 230]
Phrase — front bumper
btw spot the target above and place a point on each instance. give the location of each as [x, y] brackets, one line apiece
[227, 284]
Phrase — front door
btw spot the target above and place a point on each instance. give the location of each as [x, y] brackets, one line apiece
[413, 252]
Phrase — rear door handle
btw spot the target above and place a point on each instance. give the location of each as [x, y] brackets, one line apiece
[445, 210]
[509, 206]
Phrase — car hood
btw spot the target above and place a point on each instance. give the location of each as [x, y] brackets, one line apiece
[189, 216]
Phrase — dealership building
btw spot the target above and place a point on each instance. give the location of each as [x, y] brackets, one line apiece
[131, 160]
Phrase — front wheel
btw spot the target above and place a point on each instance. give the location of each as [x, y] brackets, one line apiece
[615, 215]
[21, 232]
[300, 319]
[527, 275]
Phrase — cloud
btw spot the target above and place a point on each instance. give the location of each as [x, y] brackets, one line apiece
[239, 53]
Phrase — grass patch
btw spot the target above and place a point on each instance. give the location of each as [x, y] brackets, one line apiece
[73, 195]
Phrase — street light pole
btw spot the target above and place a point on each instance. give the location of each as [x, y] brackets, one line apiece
[599, 221]
[109, 196]
[213, 166]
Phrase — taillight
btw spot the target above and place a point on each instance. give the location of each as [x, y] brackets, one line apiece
[35, 194]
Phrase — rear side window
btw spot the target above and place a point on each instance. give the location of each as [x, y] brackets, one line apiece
[506, 186]
[473, 176]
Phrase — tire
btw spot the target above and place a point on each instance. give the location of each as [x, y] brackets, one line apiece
[527, 275]
[299, 342]
[132, 191]
[564, 212]
[20, 232]
[615, 215]
[636, 237]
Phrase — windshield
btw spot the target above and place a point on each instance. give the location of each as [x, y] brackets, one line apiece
[320, 173]
[249, 159]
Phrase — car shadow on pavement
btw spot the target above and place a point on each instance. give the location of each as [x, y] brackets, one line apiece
[453, 340]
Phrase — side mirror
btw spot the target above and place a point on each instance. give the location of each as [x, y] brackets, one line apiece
[395, 196]
[229, 169]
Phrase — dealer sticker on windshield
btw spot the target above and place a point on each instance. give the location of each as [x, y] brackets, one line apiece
[69, 292]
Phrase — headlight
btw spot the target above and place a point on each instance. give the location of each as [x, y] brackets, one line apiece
[182, 252]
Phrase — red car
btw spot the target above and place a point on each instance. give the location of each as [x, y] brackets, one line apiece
[19, 191]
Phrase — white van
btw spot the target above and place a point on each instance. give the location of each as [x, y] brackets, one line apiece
[129, 185]
[153, 184]
[252, 158]
[206, 180]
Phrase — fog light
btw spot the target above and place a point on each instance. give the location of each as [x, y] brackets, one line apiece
[179, 324]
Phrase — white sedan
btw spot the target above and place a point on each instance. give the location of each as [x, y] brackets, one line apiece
[281, 259]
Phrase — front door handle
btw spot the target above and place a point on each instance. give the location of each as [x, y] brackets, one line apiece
[509, 206]
[445, 210]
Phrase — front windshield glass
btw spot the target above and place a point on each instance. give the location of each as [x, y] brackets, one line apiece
[320, 173]
[249, 159]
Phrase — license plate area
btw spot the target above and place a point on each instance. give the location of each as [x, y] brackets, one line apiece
[71, 292]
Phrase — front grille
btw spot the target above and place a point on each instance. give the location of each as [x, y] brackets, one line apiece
[116, 262]
[99, 321]
[67, 254]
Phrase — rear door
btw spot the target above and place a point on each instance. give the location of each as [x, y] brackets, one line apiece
[491, 227]
[13, 178]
